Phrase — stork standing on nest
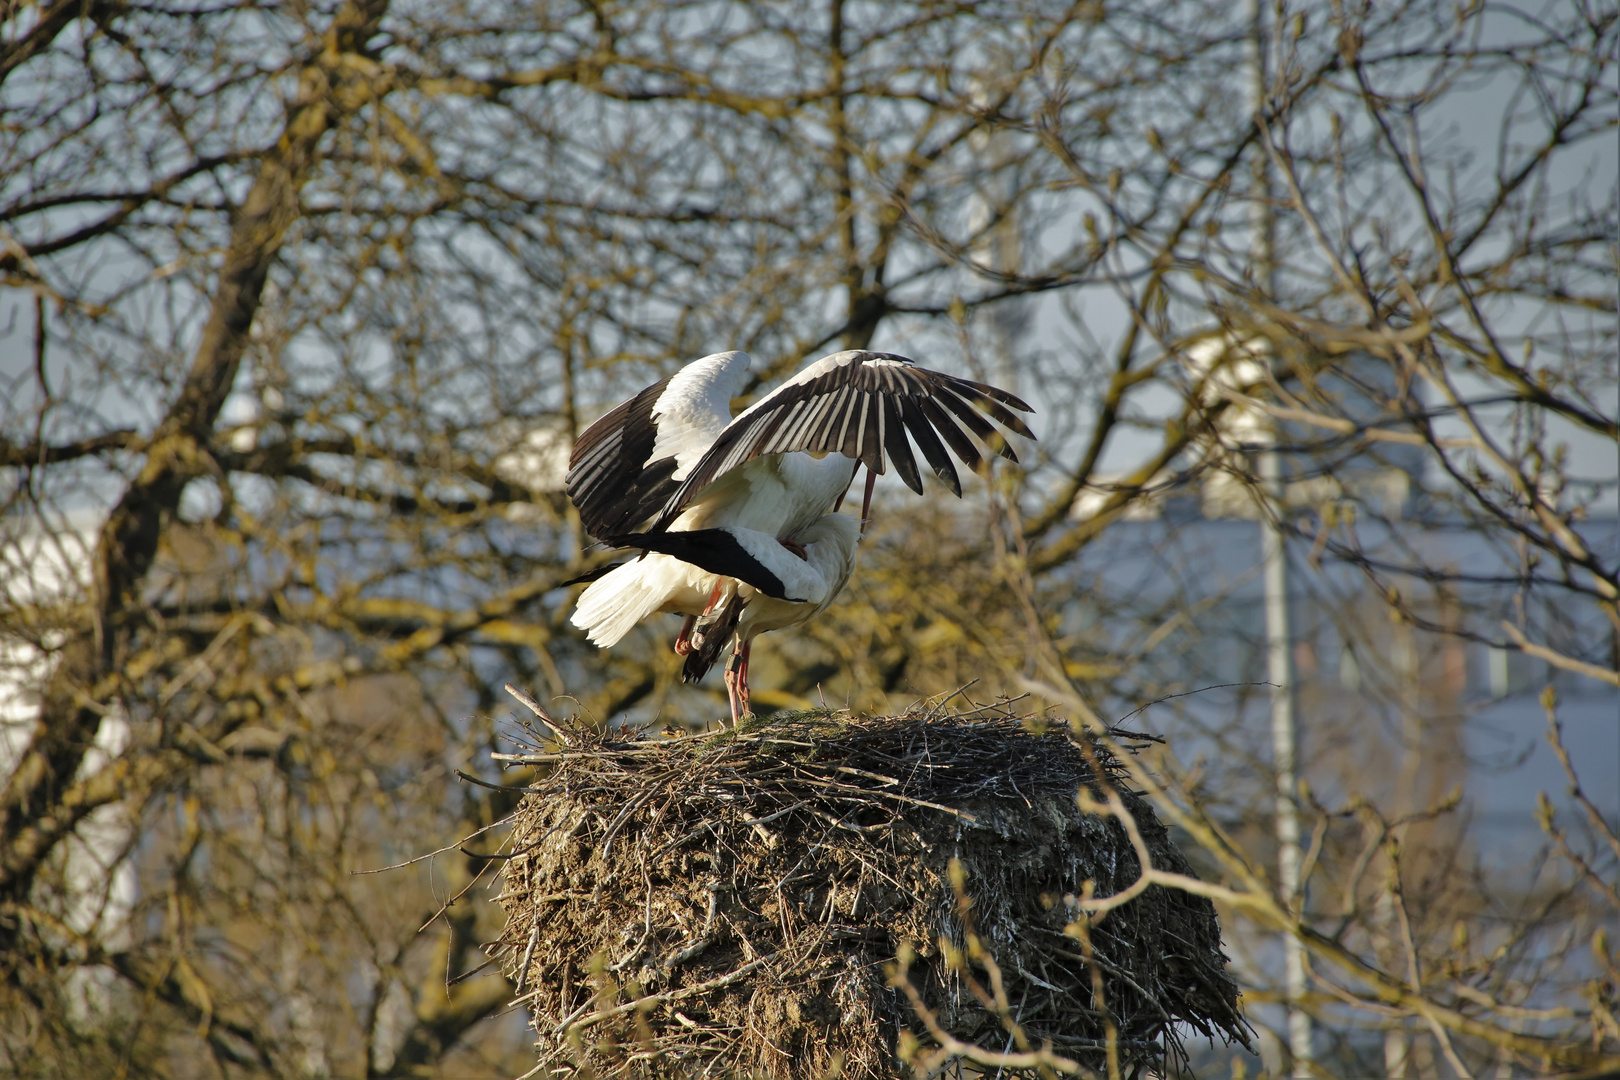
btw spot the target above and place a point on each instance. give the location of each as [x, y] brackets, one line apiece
[739, 512]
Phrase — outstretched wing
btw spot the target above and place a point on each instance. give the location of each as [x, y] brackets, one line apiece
[862, 405]
[627, 465]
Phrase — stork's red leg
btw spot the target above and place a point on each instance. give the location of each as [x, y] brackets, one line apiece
[731, 693]
[714, 598]
[744, 699]
[866, 500]
[683, 640]
[737, 681]
[845, 492]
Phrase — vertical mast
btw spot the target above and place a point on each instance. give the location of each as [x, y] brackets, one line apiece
[1274, 557]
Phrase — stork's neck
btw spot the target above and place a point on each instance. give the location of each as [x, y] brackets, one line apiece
[816, 485]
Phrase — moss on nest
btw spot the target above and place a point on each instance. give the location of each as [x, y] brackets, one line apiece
[733, 903]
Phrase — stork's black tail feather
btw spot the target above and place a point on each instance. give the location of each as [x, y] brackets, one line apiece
[710, 640]
[591, 575]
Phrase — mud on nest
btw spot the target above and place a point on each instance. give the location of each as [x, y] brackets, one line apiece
[732, 904]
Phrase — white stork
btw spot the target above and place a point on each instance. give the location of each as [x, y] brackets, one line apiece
[741, 582]
[717, 503]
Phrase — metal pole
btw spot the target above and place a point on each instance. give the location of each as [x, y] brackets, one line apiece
[1279, 670]
[1278, 641]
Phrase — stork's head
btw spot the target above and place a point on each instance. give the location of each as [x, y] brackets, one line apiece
[834, 530]
[829, 545]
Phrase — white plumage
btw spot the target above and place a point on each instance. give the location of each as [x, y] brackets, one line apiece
[614, 603]
[696, 407]
[732, 512]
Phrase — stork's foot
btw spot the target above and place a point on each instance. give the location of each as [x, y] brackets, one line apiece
[683, 640]
[795, 547]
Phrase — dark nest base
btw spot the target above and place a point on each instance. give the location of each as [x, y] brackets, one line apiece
[732, 904]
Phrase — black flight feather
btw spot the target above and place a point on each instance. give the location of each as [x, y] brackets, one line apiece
[611, 482]
[928, 442]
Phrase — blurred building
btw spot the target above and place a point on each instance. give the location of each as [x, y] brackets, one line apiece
[43, 569]
[1401, 710]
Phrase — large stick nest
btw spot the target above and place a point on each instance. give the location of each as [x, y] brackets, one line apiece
[733, 903]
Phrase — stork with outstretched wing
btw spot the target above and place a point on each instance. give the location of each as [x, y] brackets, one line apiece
[733, 512]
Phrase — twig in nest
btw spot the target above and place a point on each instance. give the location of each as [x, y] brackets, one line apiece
[528, 702]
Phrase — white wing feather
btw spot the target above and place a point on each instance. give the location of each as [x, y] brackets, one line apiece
[696, 407]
